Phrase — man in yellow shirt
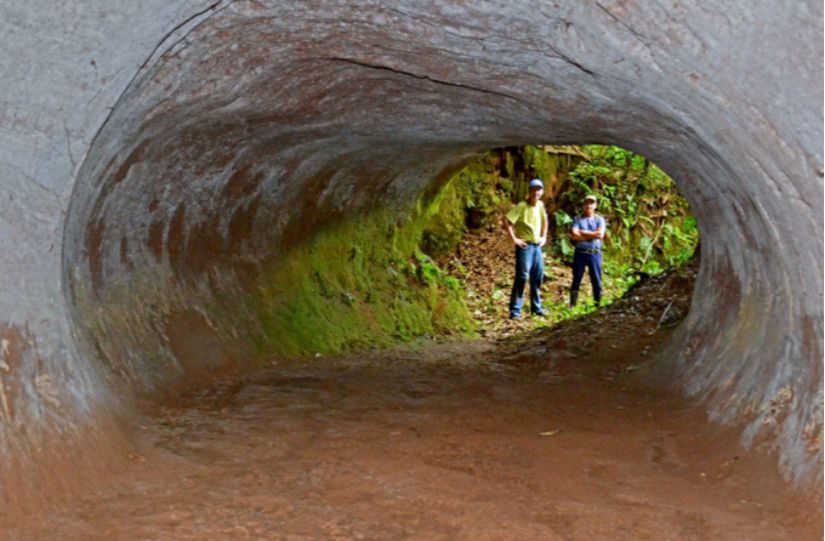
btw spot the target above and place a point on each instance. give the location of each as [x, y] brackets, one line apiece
[526, 223]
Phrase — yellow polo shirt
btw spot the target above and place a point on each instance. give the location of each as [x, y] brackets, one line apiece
[528, 220]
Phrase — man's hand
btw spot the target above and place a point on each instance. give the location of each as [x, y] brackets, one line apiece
[520, 243]
[577, 234]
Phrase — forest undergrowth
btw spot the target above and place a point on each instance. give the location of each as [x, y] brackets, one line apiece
[650, 227]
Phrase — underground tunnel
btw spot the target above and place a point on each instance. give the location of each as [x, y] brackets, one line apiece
[163, 162]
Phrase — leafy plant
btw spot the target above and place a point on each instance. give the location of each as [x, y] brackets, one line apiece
[649, 222]
[650, 227]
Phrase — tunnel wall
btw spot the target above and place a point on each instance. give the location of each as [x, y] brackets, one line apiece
[159, 160]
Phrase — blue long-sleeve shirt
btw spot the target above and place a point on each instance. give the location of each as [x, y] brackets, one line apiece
[593, 223]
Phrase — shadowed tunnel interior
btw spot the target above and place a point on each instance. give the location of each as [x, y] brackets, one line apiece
[254, 125]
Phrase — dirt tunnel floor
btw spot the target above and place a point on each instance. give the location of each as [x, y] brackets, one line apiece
[475, 441]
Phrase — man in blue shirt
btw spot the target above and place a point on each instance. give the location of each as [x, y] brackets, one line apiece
[587, 233]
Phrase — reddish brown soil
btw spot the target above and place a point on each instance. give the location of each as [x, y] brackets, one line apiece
[551, 436]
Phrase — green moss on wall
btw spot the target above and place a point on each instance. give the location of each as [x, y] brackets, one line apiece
[359, 283]
[473, 198]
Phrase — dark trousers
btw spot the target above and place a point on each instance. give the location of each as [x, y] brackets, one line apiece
[529, 265]
[593, 262]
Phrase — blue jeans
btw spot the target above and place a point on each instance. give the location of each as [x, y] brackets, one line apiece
[593, 262]
[529, 265]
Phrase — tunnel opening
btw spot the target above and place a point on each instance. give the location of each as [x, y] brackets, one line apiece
[235, 145]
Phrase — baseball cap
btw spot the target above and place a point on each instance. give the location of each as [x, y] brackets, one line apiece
[537, 183]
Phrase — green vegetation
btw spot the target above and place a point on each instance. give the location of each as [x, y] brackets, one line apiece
[360, 283]
[650, 227]
[471, 199]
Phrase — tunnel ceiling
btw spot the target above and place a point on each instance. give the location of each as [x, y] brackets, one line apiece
[250, 125]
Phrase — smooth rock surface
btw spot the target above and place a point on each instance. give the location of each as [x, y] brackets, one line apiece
[157, 156]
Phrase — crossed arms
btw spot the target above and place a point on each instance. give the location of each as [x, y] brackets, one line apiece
[578, 234]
